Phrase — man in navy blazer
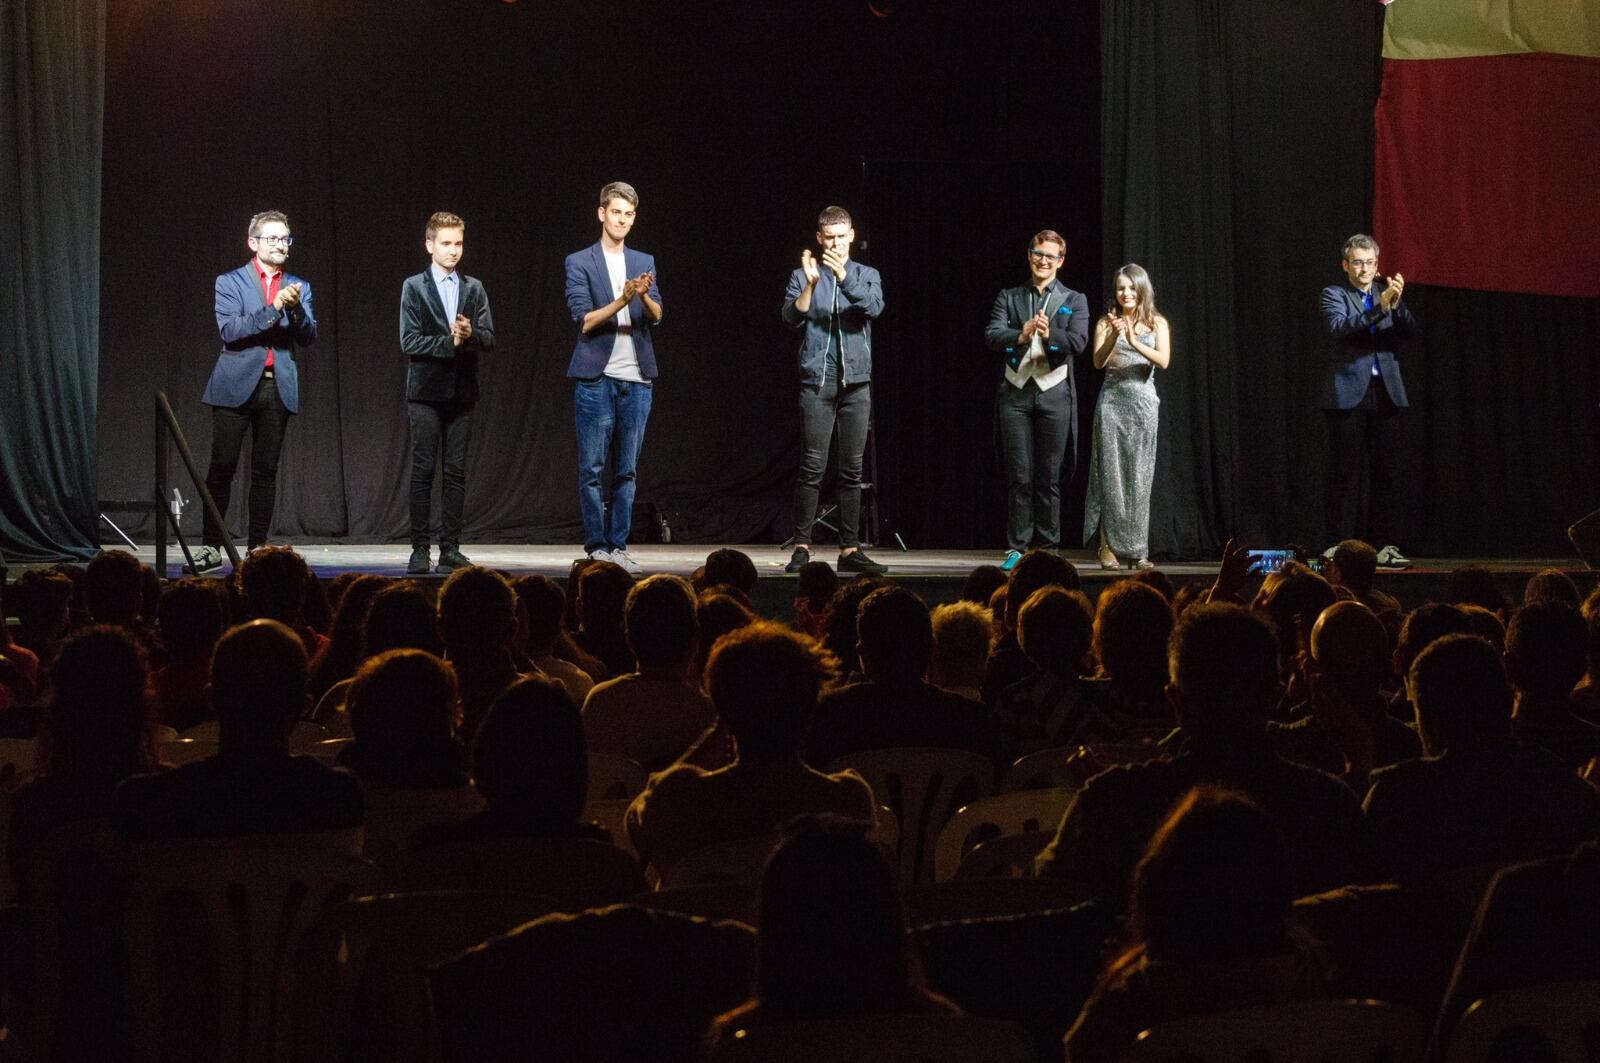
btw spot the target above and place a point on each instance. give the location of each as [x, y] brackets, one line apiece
[1362, 396]
[263, 314]
[444, 326]
[614, 301]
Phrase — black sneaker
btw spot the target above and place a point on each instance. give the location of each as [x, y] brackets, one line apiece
[858, 561]
[420, 564]
[798, 560]
[451, 558]
[207, 558]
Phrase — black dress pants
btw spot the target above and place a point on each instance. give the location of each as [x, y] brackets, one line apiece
[265, 417]
[439, 430]
[1366, 436]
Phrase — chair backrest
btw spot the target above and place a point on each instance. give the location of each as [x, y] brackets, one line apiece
[16, 759]
[256, 897]
[328, 749]
[614, 777]
[740, 860]
[711, 900]
[394, 814]
[369, 956]
[612, 814]
[987, 898]
[1306, 1031]
[1561, 1017]
[1019, 812]
[1008, 856]
[1041, 770]
[160, 732]
[208, 730]
[306, 735]
[915, 1038]
[188, 750]
[924, 786]
[575, 873]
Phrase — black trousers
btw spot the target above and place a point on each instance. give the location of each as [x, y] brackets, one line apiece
[265, 417]
[820, 409]
[1364, 437]
[1035, 428]
[439, 430]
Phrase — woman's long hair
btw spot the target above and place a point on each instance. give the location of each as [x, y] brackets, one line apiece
[1144, 311]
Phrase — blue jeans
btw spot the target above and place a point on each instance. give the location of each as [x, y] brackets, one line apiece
[609, 414]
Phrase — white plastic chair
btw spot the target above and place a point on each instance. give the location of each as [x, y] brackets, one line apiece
[575, 873]
[16, 759]
[1019, 812]
[1565, 1015]
[924, 786]
[188, 750]
[613, 777]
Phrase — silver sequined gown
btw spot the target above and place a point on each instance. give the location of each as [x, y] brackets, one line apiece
[1122, 453]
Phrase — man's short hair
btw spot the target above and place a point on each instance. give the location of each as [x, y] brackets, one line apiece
[1357, 563]
[543, 603]
[619, 190]
[1476, 585]
[764, 680]
[1362, 241]
[1426, 624]
[661, 623]
[1049, 236]
[1459, 688]
[274, 580]
[732, 567]
[1547, 647]
[1131, 624]
[264, 217]
[833, 216]
[258, 682]
[1551, 585]
[816, 584]
[400, 701]
[191, 619]
[893, 634]
[113, 586]
[1037, 568]
[477, 609]
[1055, 628]
[442, 219]
[1224, 659]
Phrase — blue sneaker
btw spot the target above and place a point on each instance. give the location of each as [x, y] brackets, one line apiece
[1012, 557]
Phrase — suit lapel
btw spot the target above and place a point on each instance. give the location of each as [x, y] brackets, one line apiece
[430, 294]
[252, 287]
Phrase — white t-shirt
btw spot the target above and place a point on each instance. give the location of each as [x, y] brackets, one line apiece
[624, 361]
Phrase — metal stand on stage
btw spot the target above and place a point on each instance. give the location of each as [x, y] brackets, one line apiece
[167, 426]
[870, 527]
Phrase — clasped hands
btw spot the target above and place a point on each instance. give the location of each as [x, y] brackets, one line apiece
[1390, 297]
[288, 295]
[832, 258]
[461, 329]
[1037, 325]
[633, 286]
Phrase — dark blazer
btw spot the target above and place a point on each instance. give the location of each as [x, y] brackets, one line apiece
[1067, 310]
[1352, 343]
[589, 287]
[439, 371]
[861, 300]
[248, 327]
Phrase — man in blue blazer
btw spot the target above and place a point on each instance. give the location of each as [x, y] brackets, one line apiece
[263, 313]
[834, 302]
[615, 302]
[1362, 396]
[444, 326]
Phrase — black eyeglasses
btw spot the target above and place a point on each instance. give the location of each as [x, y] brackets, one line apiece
[1044, 256]
[284, 240]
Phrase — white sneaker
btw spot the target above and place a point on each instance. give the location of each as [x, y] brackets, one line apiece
[629, 565]
[599, 555]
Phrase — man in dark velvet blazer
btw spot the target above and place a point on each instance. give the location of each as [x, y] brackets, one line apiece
[445, 326]
[263, 314]
[1362, 396]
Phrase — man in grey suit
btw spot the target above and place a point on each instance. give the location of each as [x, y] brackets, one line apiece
[444, 326]
[263, 314]
[1362, 396]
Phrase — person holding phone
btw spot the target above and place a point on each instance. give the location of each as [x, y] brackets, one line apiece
[263, 313]
[615, 302]
[1131, 342]
[835, 301]
[1038, 328]
[1365, 325]
[444, 326]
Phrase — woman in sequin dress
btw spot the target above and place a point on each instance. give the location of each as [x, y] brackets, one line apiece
[1131, 342]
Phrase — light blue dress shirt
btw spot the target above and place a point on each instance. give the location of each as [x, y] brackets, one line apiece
[449, 291]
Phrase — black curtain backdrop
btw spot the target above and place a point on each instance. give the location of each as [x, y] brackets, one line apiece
[50, 109]
[944, 129]
[1237, 159]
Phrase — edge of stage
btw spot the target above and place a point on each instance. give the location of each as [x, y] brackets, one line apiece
[936, 575]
